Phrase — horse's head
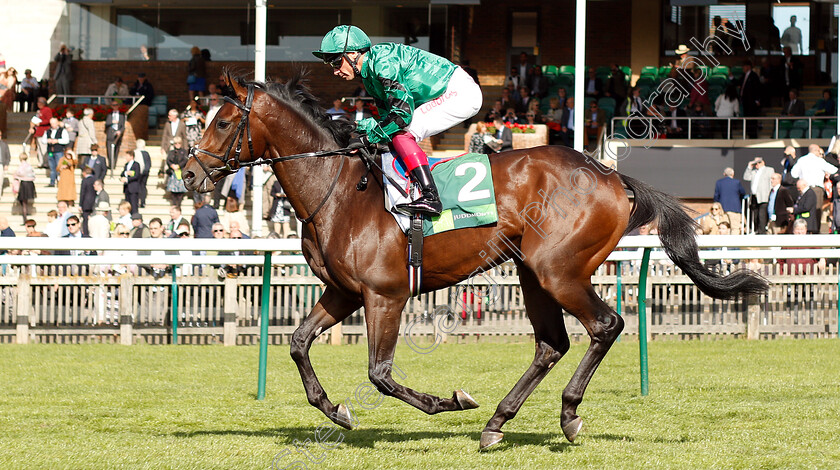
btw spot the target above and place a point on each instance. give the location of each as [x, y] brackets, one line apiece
[229, 140]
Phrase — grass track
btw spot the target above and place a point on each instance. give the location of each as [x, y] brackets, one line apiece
[721, 404]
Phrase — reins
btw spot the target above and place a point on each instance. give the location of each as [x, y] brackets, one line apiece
[232, 164]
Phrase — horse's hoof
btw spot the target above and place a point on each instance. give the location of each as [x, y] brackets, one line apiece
[465, 401]
[572, 429]
[490, 438]
[341, 417]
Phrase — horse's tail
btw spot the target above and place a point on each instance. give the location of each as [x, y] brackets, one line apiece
[677, 233]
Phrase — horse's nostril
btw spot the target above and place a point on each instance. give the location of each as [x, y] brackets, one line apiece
[188, 176]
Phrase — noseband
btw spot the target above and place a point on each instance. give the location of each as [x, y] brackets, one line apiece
[232, 164]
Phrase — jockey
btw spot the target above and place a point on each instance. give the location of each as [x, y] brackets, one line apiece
[419, 94]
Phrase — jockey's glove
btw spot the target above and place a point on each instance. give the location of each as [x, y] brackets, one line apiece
[360, 141]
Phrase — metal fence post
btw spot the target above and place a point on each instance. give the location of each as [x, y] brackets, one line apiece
[174, 304]
[264, 326]
[643, 354]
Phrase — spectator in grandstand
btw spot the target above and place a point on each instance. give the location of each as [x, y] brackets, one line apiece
[71, 125]
[512, 81]
[770, 82]
[53, 228]
[567, 123]
[5, 230]
[538, 83]
[280, 212]
[521, 100]
[729, 192]
[101, 194]
[63, 74]
[336, 112]
[175, 219]
[523, 67]
[122, 232]
[510, 116]
[138, 228]
[676, 127]
[144, 160]
[699, 93]
[29, 225]
[826, 106]
[779, 201]
[710, 222]
[700, 128]
[727, 105]
[23, 184]
[360, 111]
[751, 98]
[142, 87]
[28, 92]
[794, 106]
[792, 71]
[792, 37]
[175, 127]
[56, 139]
[99, 225]
[236, 229]
[813, 168]
[5, 160]
[533, 115]
[216, 104]
[175, 161]
[806, 207]
[507, 99]
[594, 121]
[74, 228]
[479, 140]
[232, 213]
[196, 74]
[87, 197]
[496, 110]
[759, 175]
[788, 161]
[67, 178]
[86, 137]
[124, 209]
[114, 130]
[616, 86]
[504, 134]
[116, 88]
[204, 218]
[130, 178]
[194, 120]
[219, 231]
[40, 124]
[801, 265]
[593, 87]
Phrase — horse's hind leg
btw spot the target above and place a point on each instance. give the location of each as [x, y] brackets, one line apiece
[552, 343]
[603, 326]
[331, 309]
[382, 317]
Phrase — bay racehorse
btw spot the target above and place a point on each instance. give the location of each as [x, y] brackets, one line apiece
[559, 217]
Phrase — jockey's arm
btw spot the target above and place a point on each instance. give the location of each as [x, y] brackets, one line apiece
[400, 108]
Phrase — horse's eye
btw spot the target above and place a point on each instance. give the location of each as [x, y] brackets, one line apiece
[223, 124]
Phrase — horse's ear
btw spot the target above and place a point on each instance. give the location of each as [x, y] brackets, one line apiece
[234, 85]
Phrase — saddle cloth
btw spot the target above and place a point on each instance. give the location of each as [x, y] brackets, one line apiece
[465, 185]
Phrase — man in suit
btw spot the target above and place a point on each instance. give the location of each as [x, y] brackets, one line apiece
[675, 127]
[794, 106]
[142, 157]
[805, 206]
[791, 70]
[779, 201]
[204, 218]
[593, 88]
[760, 177]
[567, 123]
[504, 134]
[87, 198]
[594, 121]
[729, 192]
[617, 86]
[101, 194]
[751, 98]
[131, 182]
[96, 163]
[538, 83]
[114, 130]
[173, 128]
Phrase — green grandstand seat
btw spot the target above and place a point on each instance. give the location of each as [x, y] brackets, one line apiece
[603, 70]
[718, 81]
[796, 134]
[567, 69]
[550, 70]
[828, 132]
[722, 70]
[603, 77]
[705, 69]
[645, 81]
[664, 71]
[606, 102]
[811, 112]
[737, 71]
[587, 101]
[800, 124]
[153, 120]
[817, 124]
[627, 74]
[565, 80]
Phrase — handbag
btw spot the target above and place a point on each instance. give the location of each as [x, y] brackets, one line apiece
[190, 79]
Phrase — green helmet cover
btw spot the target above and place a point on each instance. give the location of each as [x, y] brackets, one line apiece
[343, 39]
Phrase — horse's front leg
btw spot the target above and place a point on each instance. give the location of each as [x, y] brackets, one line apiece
[331, 309]
[382, 317]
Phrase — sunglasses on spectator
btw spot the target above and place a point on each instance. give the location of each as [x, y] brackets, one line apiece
[122, 233]
[218, 230]
[71, 224]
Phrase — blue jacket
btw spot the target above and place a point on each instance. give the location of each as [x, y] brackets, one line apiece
[203, 220]
[729, 192]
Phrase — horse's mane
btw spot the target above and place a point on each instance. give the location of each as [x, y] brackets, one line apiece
[295, 93]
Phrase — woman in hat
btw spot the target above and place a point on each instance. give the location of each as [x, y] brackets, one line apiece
[418, 94]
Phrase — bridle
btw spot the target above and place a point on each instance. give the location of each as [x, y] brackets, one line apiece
[232, 164]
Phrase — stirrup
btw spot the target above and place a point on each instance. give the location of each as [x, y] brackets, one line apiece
[427, 204]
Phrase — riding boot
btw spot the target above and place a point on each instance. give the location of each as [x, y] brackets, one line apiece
[429, 202]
